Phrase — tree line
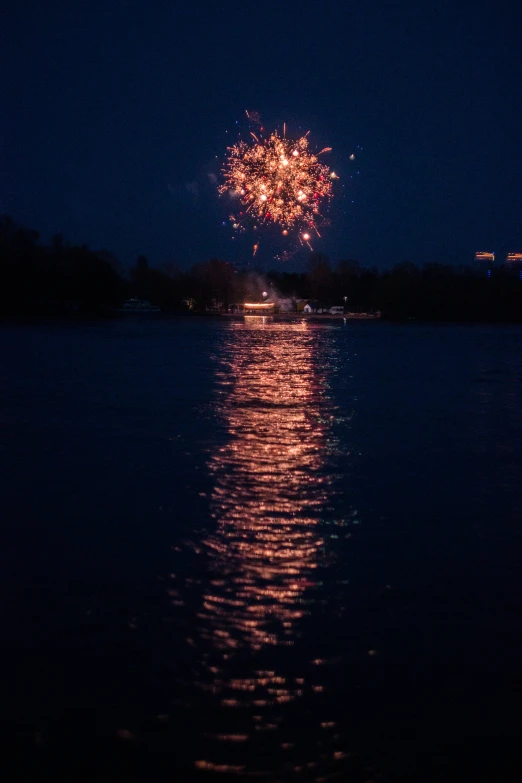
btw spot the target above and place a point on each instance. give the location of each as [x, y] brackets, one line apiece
[60, 277]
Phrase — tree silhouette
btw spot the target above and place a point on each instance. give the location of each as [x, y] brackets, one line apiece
[63, 278]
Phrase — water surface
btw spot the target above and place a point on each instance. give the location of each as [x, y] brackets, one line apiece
[288, 550]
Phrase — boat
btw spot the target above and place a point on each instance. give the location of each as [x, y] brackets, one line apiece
[259, 308]
[140, 306]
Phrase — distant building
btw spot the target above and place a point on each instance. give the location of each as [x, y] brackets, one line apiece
[313, 306]
[484, 261]
[215, 306]
[483, 257]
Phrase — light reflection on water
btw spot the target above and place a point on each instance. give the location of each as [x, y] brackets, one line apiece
[271, 483]
[249, 652]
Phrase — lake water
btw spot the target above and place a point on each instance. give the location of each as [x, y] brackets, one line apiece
[288, 550]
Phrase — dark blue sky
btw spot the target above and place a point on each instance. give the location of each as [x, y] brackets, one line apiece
[111, 108]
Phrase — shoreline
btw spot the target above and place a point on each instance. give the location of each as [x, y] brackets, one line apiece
[25, 319]
[305, 316]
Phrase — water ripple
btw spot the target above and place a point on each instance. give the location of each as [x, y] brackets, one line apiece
[271, 483]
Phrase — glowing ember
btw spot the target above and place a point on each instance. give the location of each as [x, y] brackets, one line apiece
[278, 180]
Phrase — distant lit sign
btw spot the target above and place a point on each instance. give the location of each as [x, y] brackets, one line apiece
[483, 256]
[513, 257]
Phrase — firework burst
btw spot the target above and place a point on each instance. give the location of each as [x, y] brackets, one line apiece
[278, 180]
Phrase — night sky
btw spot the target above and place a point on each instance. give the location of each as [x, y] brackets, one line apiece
[113, 113]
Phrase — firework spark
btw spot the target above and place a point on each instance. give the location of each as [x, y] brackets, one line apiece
[279, 180]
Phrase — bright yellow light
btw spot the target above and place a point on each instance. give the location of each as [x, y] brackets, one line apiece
[306, 237]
